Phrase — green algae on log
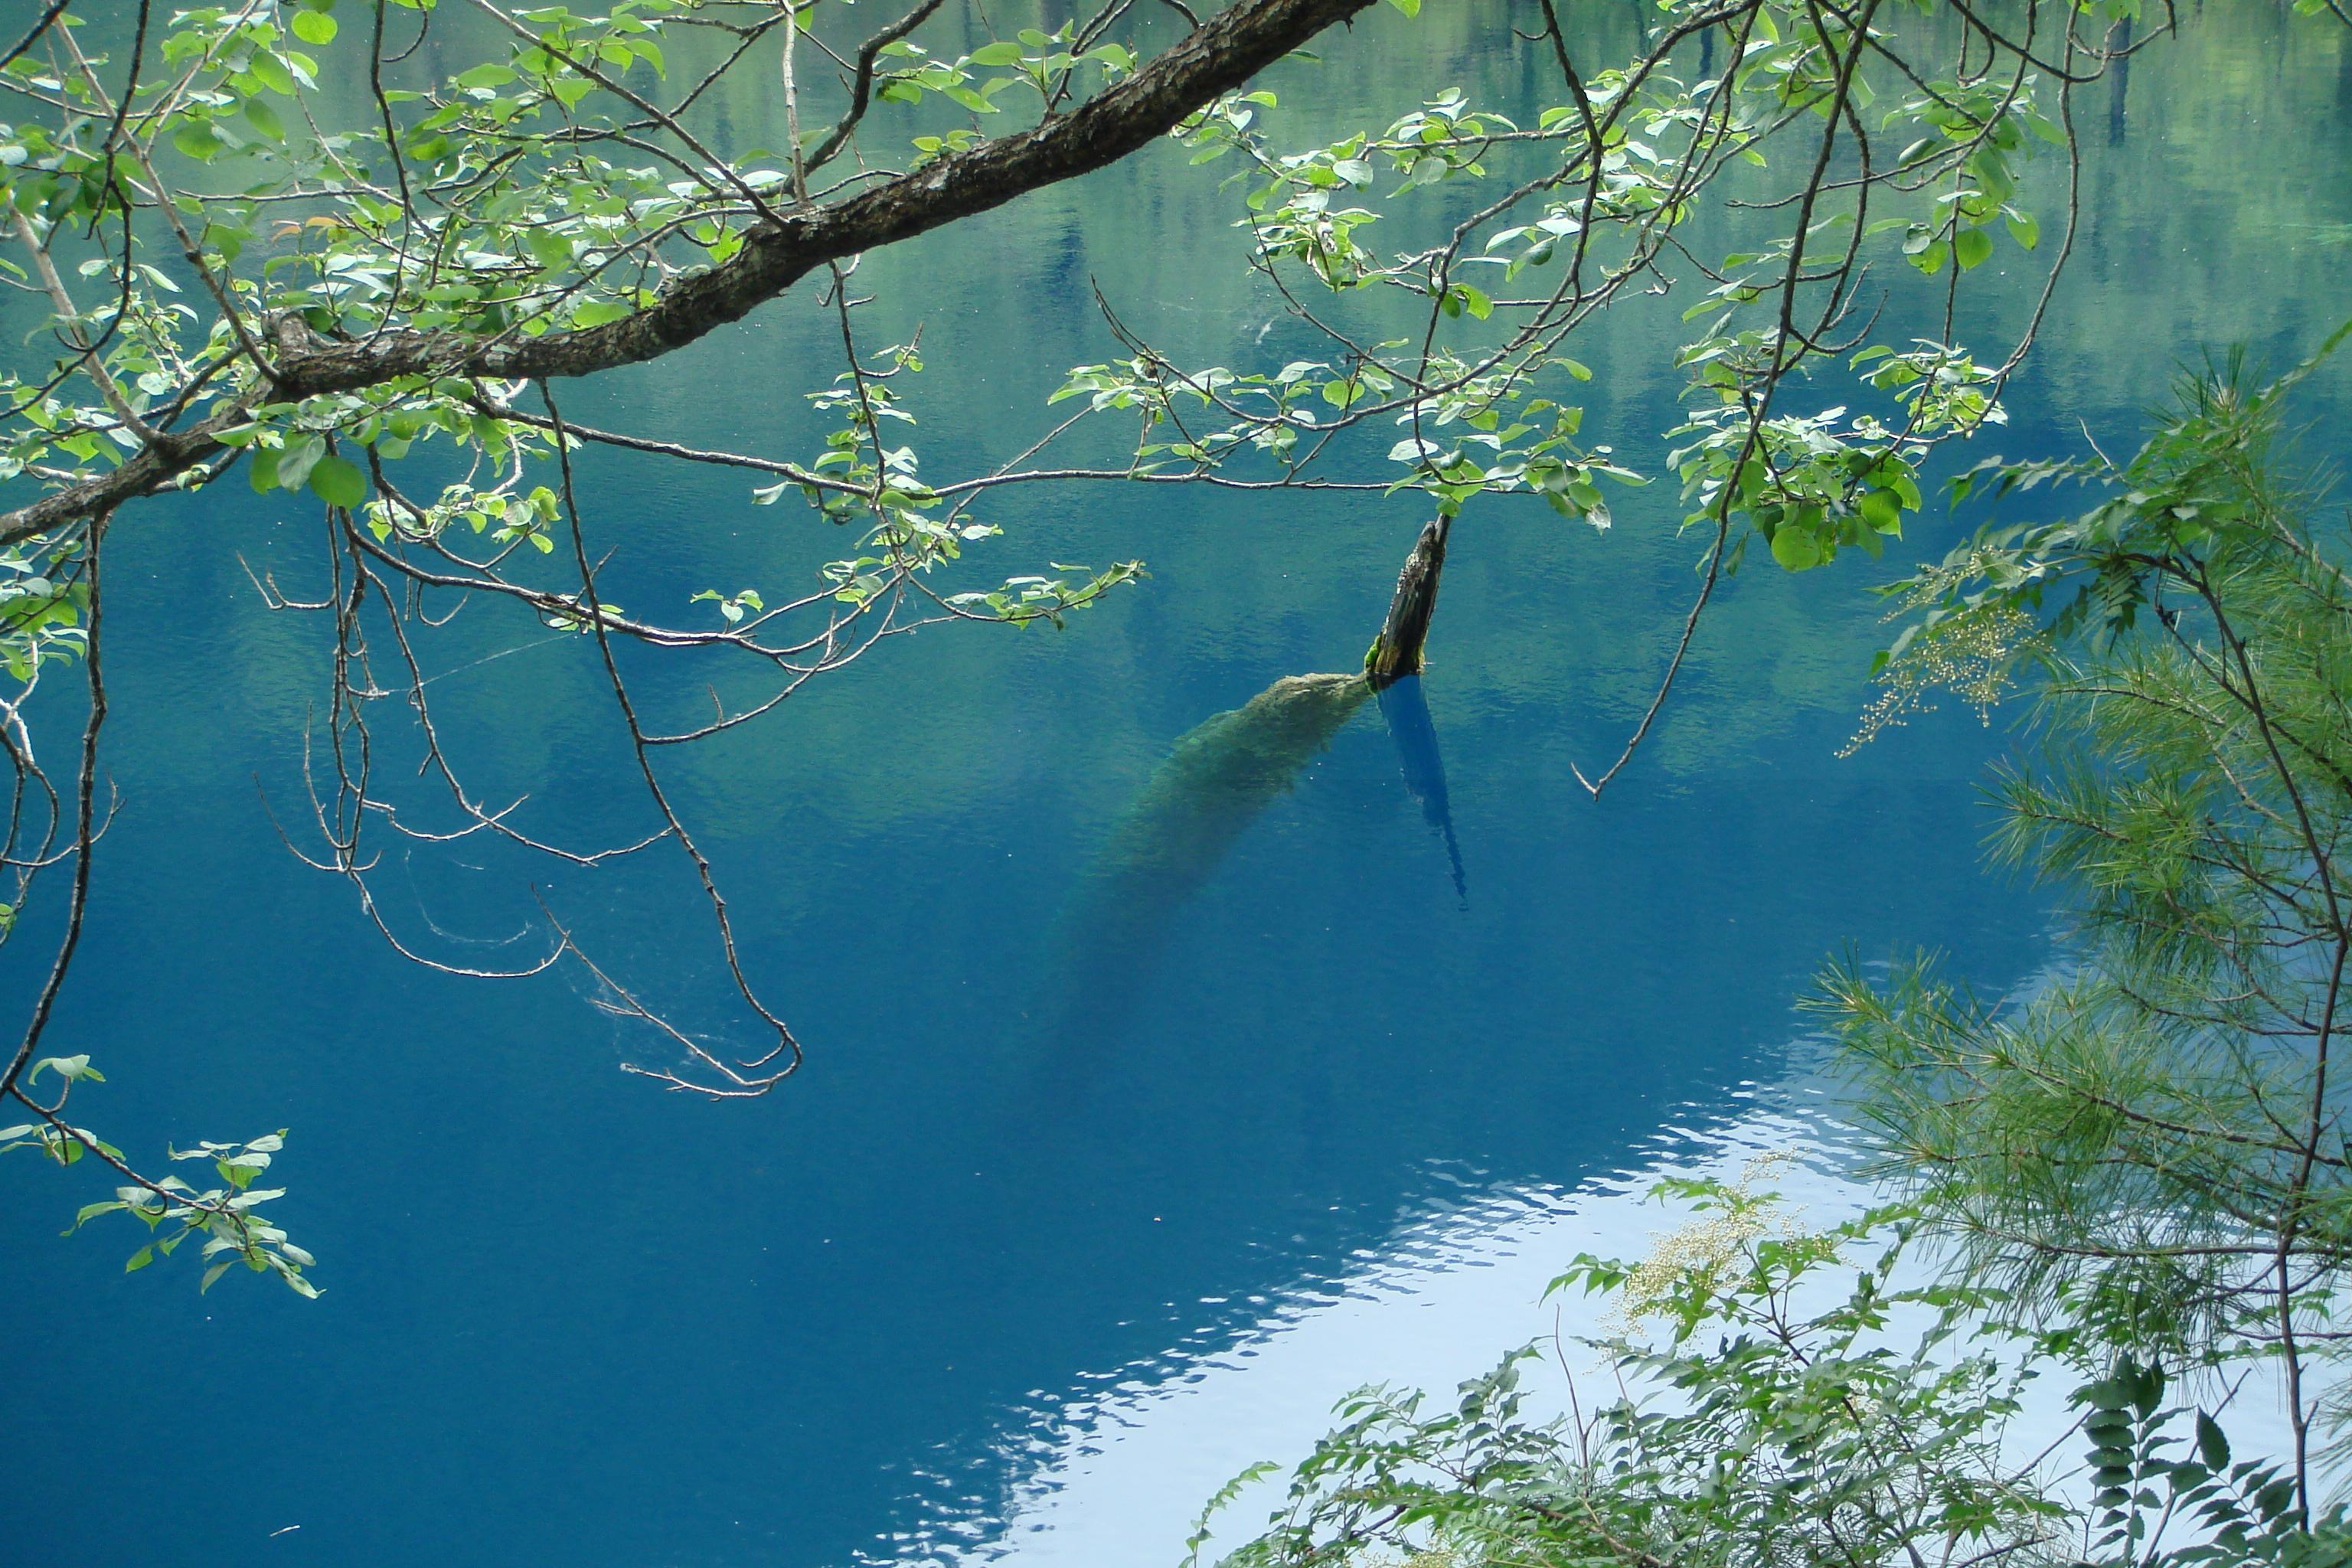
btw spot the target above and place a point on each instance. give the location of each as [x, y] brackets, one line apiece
[1171, 839]
[1220, 776]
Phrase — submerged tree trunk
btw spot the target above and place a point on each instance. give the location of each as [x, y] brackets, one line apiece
[1217, 780]
[1172, 839]
[1396, 652]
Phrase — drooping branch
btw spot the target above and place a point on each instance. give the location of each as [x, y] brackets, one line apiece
[861, 88]
[87, 828]
[1222, 54]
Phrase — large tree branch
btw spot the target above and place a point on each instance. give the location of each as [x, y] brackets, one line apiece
[1221, 55]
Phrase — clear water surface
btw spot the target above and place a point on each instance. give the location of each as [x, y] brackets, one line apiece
[1037, 1154]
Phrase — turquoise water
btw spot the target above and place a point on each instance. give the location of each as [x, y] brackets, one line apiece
[571, 1320]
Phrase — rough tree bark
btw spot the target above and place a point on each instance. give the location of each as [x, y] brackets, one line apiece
[1396, 652]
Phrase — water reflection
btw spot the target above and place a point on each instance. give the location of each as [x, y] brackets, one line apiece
[1407, 712]
[1130, 1457]
[1083, 1480]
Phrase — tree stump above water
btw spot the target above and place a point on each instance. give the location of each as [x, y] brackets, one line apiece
[1396, 652]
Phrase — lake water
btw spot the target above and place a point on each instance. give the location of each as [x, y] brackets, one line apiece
[1044, 1172]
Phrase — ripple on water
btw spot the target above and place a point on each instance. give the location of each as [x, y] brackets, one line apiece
[1115, 1467]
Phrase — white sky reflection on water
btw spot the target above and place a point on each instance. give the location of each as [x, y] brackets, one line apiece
[1117, 1476]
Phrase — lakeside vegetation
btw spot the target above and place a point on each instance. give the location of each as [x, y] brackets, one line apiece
[2134, 1177]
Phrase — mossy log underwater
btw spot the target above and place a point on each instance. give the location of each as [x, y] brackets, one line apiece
[1218, 779]
[1170, 840]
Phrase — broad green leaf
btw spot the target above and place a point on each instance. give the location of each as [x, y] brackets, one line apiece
[198, 140]
[1796, 548]
[296, 461]
[597, 312]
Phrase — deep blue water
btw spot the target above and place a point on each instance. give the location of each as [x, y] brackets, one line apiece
[570, 1319]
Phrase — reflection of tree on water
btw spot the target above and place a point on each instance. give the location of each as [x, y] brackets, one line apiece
[2119, 83]
[1407, 712]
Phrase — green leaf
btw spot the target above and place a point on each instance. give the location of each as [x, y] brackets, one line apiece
[1883, 510]
[2211, 1445]
[996, 54]
[1796, 548]
[265, 118]
[314, 28]
[213, 1274]
[549, 248]
[89, 1212]
[597, 312]
[273, 74]
[198, 140]
[339, 483]
[295, 462]
[140, 1259]
[1973, 247]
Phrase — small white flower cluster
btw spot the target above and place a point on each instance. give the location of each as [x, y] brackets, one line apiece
[1709, 1245]
[1970, 653]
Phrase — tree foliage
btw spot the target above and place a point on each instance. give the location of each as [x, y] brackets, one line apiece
[2151, 1147]
[1766, 1421]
